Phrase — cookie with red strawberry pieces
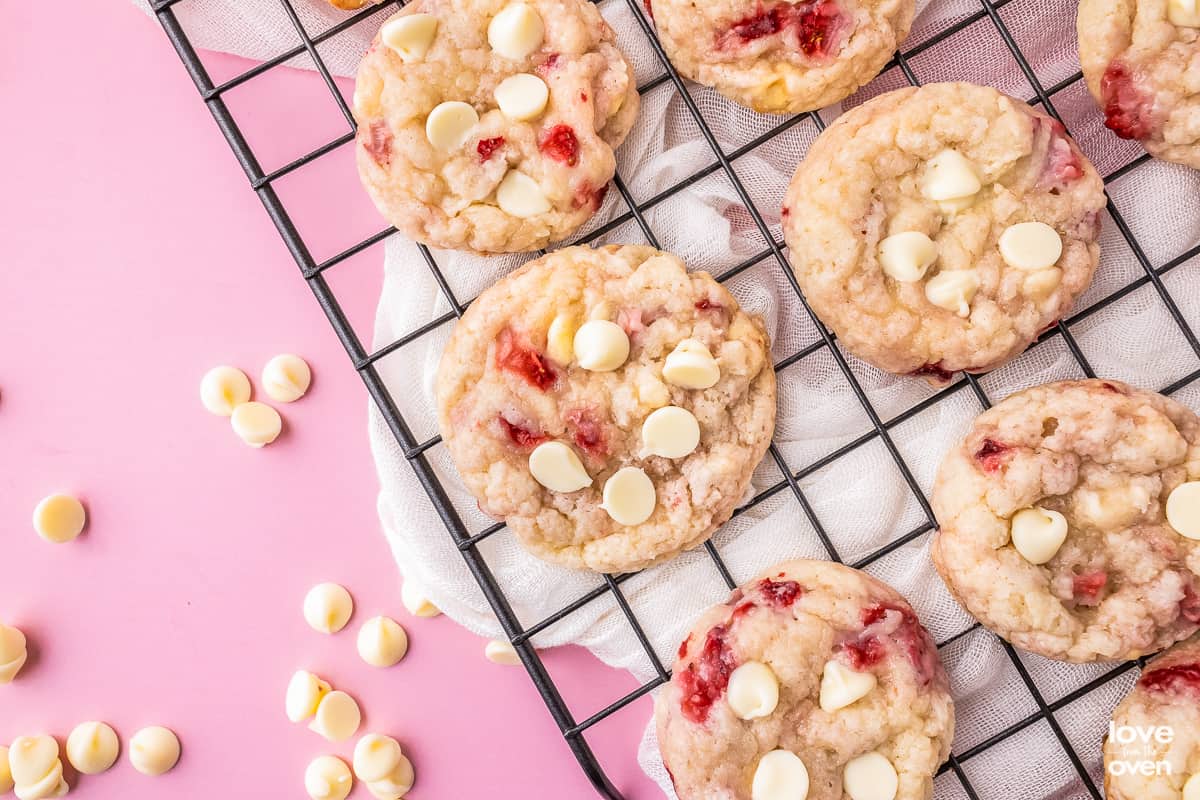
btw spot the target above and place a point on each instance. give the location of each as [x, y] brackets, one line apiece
[489, 125]
[607, 404]
[814, 679]
[1140, 59]
[1069, 520]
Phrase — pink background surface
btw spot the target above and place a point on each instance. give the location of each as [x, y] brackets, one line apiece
[135, 257]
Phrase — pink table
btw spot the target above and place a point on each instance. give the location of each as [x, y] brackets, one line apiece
[135, 257]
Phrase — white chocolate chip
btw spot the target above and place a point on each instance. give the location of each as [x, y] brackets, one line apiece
[601, 346]
[382, 642]
[1030, 246]
[499, 652]
[950, 176]
[670, 432]
[375, 757]
[417, 604]
[753, 690]
[1038, 533]
[906, 256]
[1185, 14]
[6, 780]
[629, 496]
[519, 195]
[328, 778]
[522, 97]
[1191, 789]
[92, 747]
[222, 389]
[953, 290]
[395, 785]
[1042, 282]
[516, 31]
[327, 607]
[337, 717]
[870, 777]
[13, 652]
[842, 686]
[560, 339]
[780, 775]
[410, 35]
[154, 750]
[691, 366]
[286, 378]
[36, 769]
[256, 423]
[450, 124]
[1183, 511]
[59, 518]
[555, 466]
[304, 693]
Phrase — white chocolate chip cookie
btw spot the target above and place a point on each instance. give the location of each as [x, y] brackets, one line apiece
[813, 681]
[1141, 61]
[489, 125]
[550, 398]
[1057, 524]
[782, 56]
[942, 228]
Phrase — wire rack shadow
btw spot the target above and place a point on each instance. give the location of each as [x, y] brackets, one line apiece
[575, 731]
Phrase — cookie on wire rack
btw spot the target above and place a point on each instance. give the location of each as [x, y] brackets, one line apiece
[608, 405]
[1069, 520]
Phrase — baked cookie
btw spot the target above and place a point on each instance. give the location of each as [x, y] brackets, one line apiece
[1069, 519]
[351, 5]
[608, 405]
[812, 681]
[1152, 751]
[1140, 59]
[942, 228]
[489, 125]
[781, 57]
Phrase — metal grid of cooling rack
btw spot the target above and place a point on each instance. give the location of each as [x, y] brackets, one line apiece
[575, 731]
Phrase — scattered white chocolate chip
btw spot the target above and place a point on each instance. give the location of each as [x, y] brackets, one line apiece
[395, 785]
[286, 378]
[375, 757]
[154, 750]
[560, 339]
[92, 747]
[1042, 282]
[416, 603]
[410, 36]
[906, 256]
[842, 686]
[499, 652]
[450, 124]
[13, 652]
[1185, 14]
[753, 690]
[522, 97]
[1030, 246]
[59, 518]
[327, 607]
[950, 179]
[337, 717]
[1038, 533]
[601, 346]
[1183, 514]
[382, 642]
[555, 466]
[870, 777]
[1191, 789]
[953, 290]
[222, 389]
[328, 778]
[37, 771]
[691, 366]
[256, 423]
[516, 31]
[6, 779]
[520, 196]
[780, 775]
[629, 496]
[670, 432]
[304, 693]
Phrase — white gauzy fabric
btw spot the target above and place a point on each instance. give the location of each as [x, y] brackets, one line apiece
[862, 500]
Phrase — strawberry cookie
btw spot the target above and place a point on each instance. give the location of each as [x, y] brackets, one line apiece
[489, 125]
[942, 228]
[1141, 61]
[608, 405]
[1070, 520]
[812, 682]
[781, 56]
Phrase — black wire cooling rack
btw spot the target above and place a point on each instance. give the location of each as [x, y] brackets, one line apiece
[574, 731]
